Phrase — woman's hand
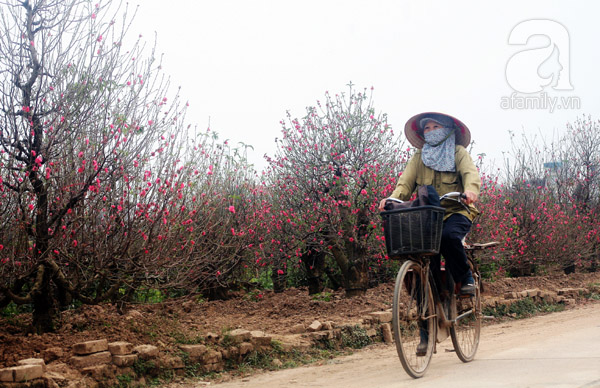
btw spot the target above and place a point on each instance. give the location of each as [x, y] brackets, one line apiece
[382, 204]
[471, 197]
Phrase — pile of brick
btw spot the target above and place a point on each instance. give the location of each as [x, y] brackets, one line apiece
[567, 296]
[97, 358]
[376, 324]
[242, 342]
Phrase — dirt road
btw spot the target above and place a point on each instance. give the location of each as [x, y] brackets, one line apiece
[555, 350]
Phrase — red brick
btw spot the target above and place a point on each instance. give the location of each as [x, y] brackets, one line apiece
[124, 360]
[33, 361]
[194, 351]
[7, 375]
[90, 347]
[27, 372]
[146, 352]
[120, 348]
[91, 359]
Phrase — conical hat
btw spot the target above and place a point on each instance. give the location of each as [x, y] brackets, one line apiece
[414, 133]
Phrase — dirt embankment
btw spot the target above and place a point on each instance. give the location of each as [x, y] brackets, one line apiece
[191, 320]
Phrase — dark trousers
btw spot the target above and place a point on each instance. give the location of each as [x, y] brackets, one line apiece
[454, 230]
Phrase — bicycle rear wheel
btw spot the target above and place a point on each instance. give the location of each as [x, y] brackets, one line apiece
[467, 328]
[413, 317]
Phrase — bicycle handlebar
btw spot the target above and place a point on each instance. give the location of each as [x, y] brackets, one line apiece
[450, 195]
[458, 197]
[394, 199]
[453, 196]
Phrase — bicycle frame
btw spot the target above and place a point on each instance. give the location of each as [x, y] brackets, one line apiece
[444, 309]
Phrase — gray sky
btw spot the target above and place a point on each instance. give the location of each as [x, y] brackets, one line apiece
[243, 63]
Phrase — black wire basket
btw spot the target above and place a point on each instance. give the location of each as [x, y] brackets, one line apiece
[414, 230]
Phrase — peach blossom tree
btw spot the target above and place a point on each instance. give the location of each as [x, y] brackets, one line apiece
[86, 124]
[330, 169]
[544, 211]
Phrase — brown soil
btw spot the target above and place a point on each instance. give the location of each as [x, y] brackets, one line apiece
[188, 320]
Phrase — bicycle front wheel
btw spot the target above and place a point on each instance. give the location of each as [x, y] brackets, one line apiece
[414, 320]
[467, 328]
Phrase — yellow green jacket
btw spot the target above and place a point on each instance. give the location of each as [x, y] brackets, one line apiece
[465, 178]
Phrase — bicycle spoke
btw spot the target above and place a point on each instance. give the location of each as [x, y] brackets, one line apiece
[414, 318]
[465, 330]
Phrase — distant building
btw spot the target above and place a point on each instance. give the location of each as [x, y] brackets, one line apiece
[553, 166]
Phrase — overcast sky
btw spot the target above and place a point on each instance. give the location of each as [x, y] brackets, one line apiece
[244, 63]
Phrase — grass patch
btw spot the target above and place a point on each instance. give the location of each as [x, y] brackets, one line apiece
[227, 340]
[522, 308]
[594, 291]
[322, 296]
[289, 359]
[143, 367]
[12, 310]
[355, 337]
[124, 381]
[254, 295]
[191, 369]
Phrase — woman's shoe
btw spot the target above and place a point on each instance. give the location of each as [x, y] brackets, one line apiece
[422, 346]
[468, 288]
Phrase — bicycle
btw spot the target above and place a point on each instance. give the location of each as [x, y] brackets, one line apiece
[426, 305]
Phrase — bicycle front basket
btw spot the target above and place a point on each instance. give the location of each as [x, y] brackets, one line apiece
[415, 230]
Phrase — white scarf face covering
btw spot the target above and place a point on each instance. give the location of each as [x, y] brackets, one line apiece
[438, 151]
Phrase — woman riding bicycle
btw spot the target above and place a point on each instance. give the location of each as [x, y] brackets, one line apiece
[443, 162]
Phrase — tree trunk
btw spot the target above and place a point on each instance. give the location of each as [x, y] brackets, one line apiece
[314, 262]
[334, 279]
[569, 269]
[357, 279]
[44, 305]
[355, 270]
[279, 280]
[63, 297]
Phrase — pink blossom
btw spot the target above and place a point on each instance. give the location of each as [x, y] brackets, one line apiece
[232, 209]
